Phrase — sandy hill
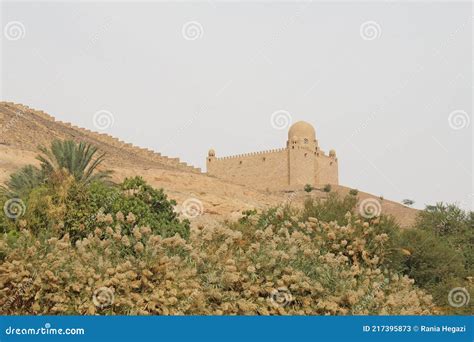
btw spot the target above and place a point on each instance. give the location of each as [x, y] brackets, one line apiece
[22, 129]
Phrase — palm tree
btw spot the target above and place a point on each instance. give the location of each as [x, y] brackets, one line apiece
[78, 159]
[23, 181]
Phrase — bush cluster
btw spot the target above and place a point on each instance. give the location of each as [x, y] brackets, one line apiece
[300, 267]
[67, 206]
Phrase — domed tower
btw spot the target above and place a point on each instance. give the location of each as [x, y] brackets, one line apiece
[302, 148]
[302, 134]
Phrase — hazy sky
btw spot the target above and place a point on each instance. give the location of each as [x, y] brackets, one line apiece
[387, 85]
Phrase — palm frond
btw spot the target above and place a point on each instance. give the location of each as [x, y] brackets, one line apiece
[78, 159]
[24, 180]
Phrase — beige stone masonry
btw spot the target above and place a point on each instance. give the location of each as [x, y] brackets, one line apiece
[301, 162]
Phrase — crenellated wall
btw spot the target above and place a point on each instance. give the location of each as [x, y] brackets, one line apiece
[301, 162]
[266, 169]
[276, 169]
[116, 144]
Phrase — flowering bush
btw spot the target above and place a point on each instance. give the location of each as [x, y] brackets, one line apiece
[67, 206]
[314, 268]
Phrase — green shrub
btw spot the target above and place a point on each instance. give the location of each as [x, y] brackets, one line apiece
[444, 219]
[354, 192]
[65, 205]
[394, 257]
[433, 263]
[150, 206]
[6, 224]
[451, 255]
[331, 209]
[327, 188]
[430, 260]
[308, 188]
[453, 224]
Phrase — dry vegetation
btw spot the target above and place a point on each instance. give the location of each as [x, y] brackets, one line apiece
[317, 269]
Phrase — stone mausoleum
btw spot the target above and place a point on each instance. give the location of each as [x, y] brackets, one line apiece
[301, 162]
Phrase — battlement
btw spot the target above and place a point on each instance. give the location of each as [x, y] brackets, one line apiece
[104, 138]
[25, 108]
[251, 154]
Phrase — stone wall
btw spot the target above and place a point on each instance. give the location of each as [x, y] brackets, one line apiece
[326, 170]
[276, 169]
[301, 166]
[114, 145]
[266, 169]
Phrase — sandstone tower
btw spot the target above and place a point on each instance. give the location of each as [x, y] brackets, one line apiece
[301, 162]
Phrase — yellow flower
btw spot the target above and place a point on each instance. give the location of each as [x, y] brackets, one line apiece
[131, 218]
[139, 247]
[145, 230]
[136, 233]
[120, 217]
[125, 241]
